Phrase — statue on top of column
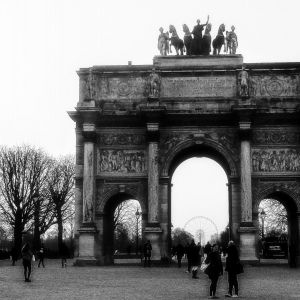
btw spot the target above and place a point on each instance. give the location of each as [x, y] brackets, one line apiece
[163, 42]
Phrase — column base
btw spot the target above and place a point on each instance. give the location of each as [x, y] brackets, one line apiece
[153, 234]
[247, 245]
[87, 245]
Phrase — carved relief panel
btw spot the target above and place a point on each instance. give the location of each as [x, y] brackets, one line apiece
[279, 160]
[227, 141]
[121, 139]
[274, 86]
[121, 161]
[119, 88]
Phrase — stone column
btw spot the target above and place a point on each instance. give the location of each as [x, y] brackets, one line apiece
[153, 136]
[247, 230]
[88, 230]
[246, 192]
[153, 230]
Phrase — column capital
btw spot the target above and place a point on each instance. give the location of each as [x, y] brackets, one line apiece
[245, 130]
[153, 132]
[89, 133]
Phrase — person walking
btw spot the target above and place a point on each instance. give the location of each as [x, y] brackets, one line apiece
[232, 261]
[27, 257]
[147, 253]
[179, 251]
[195, 258]
[41, 255]
[188, 256]
[207, 248]
[214, 270]
[293, 254]
[14, 255]
[63, 251]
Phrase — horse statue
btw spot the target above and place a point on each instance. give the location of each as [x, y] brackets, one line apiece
[219, 41]
[206, 40]
[188, 40]
[176, 42]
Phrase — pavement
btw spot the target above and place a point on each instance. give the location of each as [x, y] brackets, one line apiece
[267, 281]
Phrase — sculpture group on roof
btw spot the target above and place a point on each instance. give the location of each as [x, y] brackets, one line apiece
[194, 43]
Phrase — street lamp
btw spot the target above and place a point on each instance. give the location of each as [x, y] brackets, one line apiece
[137, 215]
[263, 216]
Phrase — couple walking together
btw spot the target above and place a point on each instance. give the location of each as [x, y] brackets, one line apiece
[215, 269]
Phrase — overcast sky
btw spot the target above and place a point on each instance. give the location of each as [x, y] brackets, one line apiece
[43, 43]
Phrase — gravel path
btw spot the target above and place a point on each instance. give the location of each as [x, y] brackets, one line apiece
[136, 282]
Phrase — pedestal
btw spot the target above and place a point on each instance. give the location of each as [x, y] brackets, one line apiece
[247, 245]
[87, 245]
[153, 234]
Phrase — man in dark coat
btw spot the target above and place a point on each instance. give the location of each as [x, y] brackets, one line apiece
[179, 251]
[147, 253]
[231, 267]
[14, 255]
[41, 255]
[207, 248]
[63, 251]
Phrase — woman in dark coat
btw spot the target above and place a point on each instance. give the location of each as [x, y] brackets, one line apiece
[214, 270]
[194, 255]
[27, 257]
[232, 261]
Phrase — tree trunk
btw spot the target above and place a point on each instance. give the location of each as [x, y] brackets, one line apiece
[59, 225]
[18, 231]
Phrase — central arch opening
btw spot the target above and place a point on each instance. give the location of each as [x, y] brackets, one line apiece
[199, 198]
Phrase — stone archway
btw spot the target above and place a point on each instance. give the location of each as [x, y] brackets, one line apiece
[129, 140]
[104, 218]
[287, 194]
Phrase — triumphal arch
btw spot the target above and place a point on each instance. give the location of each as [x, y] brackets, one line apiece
[136, 123]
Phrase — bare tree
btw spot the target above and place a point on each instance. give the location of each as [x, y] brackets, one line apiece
[127, 223]
[275, 215]
[60, 191]
[23, 170]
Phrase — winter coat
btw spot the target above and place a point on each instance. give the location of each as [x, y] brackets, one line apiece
[232, 259]
[63, 251]
[179, 250]
[215, 269]
[147, 250]
[26, 255]
[195, 257]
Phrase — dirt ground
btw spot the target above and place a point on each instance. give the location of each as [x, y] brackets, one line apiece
[135, 282]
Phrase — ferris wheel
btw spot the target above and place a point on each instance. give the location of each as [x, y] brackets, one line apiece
[201, 228]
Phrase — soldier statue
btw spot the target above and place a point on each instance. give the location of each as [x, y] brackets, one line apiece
[163, 42]
[232, 40]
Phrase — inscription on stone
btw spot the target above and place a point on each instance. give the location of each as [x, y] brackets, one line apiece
[221, 86]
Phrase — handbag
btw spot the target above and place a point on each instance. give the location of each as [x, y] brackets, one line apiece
[204, 266]
[239, 268]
